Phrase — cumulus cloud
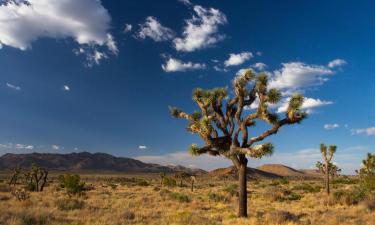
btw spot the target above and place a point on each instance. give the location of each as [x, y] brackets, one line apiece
[153, 29]
[336, 63]
[295, 75]
[87, 22]
[22, 146]
[55, 147]
[366, 131]
[176, 65]
[331, 126]
[201, 30]
[142, 147]
[14, 87]
[16, 146]
[308, 105]
[127, 28]
[238, 59]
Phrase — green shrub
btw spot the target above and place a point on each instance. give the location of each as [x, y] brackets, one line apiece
[169, 182]
[217, 197]
[180, 197]
[232, 190]
[284, 181]
[142, 182]
[72, 184]
[349, 197]
[344, 180]
[306, 187]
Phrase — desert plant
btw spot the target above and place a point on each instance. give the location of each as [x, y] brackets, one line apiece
[192, 181]
[221, 122]
[33, 180]
[72, 184]
[327, 168]
[180, 197]
[21, 194]
[169, 182]
[66, 204]
[16, 176]
[367, 175]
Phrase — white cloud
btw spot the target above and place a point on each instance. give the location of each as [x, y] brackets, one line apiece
[201, 30]
[366, 131]
[175, 65]
[12, 86]
[153, 29]
[336, 63]
[142, 147]
[55, 147]
[128, 28]
[238, 59]
[309, 104]
[296, 75]
[259, 66]
[87, 22]
[66, 88]
[185, 2]
[331, 126]
[22, 146]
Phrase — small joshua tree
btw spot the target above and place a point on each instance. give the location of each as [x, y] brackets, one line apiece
[16, 176]
[192, 181]
[223, 126]
[327, 168]
[367, 175]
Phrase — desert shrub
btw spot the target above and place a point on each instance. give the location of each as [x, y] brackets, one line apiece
[142, 182]
[344, 180]
[4, 198]
[180, 197]
[156, 189]
[349, 197]
[217, 197]
[281, 217]
[129, 215]
[369, 204]
[29, 219]
[169, 182]
[232, 190]
[20, 194]
[306, 187]
[66, 204]
[280, 195]
[274, 183]
[72, 184]
[284, 181]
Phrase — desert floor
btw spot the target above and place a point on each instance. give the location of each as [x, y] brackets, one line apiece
[141, 199]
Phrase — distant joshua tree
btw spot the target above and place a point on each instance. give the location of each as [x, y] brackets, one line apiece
[327, 168]
[222, 125]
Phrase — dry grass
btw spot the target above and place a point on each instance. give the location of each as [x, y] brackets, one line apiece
[116, 200]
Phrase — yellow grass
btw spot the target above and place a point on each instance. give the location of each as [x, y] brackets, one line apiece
[113, 202]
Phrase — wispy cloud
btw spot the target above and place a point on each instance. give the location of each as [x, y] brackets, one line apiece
[14, 87]
[336, 63]
[175, 65]
[153, 29]
[331, 126]
[370, 131]
[127, 28]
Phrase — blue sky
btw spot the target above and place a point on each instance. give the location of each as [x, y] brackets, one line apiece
[99, 75]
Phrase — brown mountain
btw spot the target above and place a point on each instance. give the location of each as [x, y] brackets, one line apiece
[266, 171]
[83, 161]
[231, 172]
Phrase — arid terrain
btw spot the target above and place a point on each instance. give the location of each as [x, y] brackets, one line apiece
[122, 198]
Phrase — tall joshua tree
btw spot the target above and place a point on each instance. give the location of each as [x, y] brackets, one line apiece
[222, 122]
[327, 168]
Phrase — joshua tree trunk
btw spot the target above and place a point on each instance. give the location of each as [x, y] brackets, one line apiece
[327, 179]
[242, 189]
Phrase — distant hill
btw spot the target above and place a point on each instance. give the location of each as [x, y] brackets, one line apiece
[251, 173]
[85, 161]
[267, 171]
[281, 170]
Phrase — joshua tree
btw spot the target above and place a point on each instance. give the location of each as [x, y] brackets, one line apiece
[327, 168]
[367, 174]
[16, 175]
[162, 176]
[222, 122]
